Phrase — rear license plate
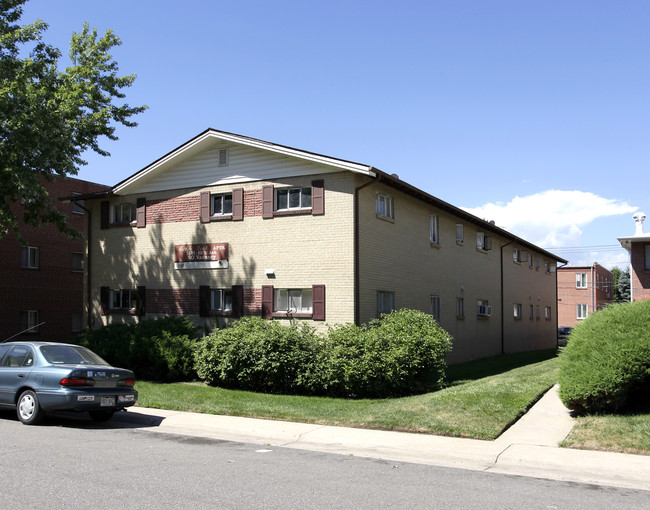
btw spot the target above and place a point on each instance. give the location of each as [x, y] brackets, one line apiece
[107, 401]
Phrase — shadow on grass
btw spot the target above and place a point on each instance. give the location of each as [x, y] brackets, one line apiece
[478, 369]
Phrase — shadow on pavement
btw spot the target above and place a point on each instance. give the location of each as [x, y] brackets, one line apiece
[121, 420]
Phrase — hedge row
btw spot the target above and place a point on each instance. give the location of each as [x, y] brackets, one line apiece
[401, 354]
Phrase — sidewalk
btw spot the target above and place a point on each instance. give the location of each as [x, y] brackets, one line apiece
[528, 448]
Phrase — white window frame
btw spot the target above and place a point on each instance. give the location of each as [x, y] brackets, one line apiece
[303, 194]
[123, 299]
[219, 204]
[221, 300]
[293, 300]
[77, 255]
[434, 229]
[517, 311]
[30, 257]
[547, 313]
[519, 255]
[538, 312]
[122, 213]
[581, 281]
[531, 312]
[29, 321]
[385, 206]
[582, 311]
[483, 242]
[460, 308]
[385, 302]
[460, 233]
[435, 304]
[483, 308]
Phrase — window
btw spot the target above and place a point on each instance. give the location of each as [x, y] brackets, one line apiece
[519, 255]
[221, 300]
[547, 313]
[122, 214]
[385, 206]
[19, 356]
[537, 312]
[292, 198]
[483, 309]
[123, 299]
[483, 242]
[549, 267]
[581, 311]
[77, 205]
[460, 235]
[460, 308]
[29, 321]
[647, 257]
[293, 300]
[530, 262]
[538, 262]
[434, 235]
[385, 302]
[77, 262]
[221, 204]
[517, 311]
[29, 257]
[581, 280]
[531, 312]
[435, 308]
[77, 321]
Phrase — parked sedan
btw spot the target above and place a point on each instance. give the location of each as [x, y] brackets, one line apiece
[39, 377]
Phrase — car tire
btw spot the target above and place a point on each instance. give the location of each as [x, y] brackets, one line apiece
[28, 408]
[101, 415]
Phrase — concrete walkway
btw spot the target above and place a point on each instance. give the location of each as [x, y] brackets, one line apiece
[528, 448]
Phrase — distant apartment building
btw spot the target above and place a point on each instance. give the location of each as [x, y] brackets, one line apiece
[581, 290]
[42, 283]
[638, 246]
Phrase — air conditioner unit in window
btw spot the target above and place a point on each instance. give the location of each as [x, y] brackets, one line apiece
[484, 310]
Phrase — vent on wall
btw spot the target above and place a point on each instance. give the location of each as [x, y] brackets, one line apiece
[223, 157]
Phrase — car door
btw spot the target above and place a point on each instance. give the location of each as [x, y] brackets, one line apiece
[14, 370]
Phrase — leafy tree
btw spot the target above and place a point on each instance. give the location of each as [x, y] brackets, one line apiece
[623, 286]
[48, 118]
[616, 272]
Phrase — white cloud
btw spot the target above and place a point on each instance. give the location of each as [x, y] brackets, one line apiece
[552, 218]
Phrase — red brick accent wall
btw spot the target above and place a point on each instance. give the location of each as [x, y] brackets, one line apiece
[252, 301]
[173, 210]
[253, 203]
[172, 301]
[639, 276]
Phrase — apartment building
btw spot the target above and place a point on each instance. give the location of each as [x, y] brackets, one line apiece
[638, 246]
[581, 291]
[43, 282]
[227, 226]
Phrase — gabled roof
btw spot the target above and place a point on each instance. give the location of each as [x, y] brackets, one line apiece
[206, 140]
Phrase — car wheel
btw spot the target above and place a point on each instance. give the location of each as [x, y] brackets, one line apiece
[28, 409]
[101, 415]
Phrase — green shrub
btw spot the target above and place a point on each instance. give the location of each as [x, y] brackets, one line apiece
[256, 355]
[605, 366]
[155, 349]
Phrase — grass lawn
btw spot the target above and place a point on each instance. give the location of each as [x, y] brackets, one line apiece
[617, 433]
[483, 398]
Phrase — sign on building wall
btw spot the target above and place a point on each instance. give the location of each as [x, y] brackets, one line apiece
[201, 256]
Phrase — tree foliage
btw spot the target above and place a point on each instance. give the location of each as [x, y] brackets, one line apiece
[49, 118]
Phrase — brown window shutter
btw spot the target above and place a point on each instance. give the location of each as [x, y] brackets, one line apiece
[205, 207]
[267, 301]
[204, 301]
[141, 212]
[318, 197]
[142, 302]
[104, 215]
[104, 295]
[318, 302]
[238, 301]
[267, 201]
[238, 204]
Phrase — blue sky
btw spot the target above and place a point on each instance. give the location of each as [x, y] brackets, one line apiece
[532, 114]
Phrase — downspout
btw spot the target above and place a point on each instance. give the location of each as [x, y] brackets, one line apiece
[593, 290]
[557, 308]
[357, 311]
[88, 268]
[503, 341]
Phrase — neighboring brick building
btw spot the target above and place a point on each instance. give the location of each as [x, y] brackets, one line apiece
[43, 283]
[638, 247]
[227, 226]
[581, 290]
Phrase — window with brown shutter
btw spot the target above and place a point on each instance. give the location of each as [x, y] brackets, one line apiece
[237, 301]
[267, 301]
[205, 207]
[238, 204]
[318, 197]
[318, 302]
[142, 303]
[267, 201]
[104, 215]
[204, 301]
[141, 212]
[104, 296]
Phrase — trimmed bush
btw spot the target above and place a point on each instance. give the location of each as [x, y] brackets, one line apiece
[605, 366]
[155, 349]
[401, 354]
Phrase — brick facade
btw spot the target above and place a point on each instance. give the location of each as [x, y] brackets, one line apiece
[639, 275]
[54, 290]
[595, 292]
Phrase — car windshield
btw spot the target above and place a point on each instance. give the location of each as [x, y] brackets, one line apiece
[70, 355]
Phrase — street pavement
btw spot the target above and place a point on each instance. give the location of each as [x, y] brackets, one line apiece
[528, 448]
